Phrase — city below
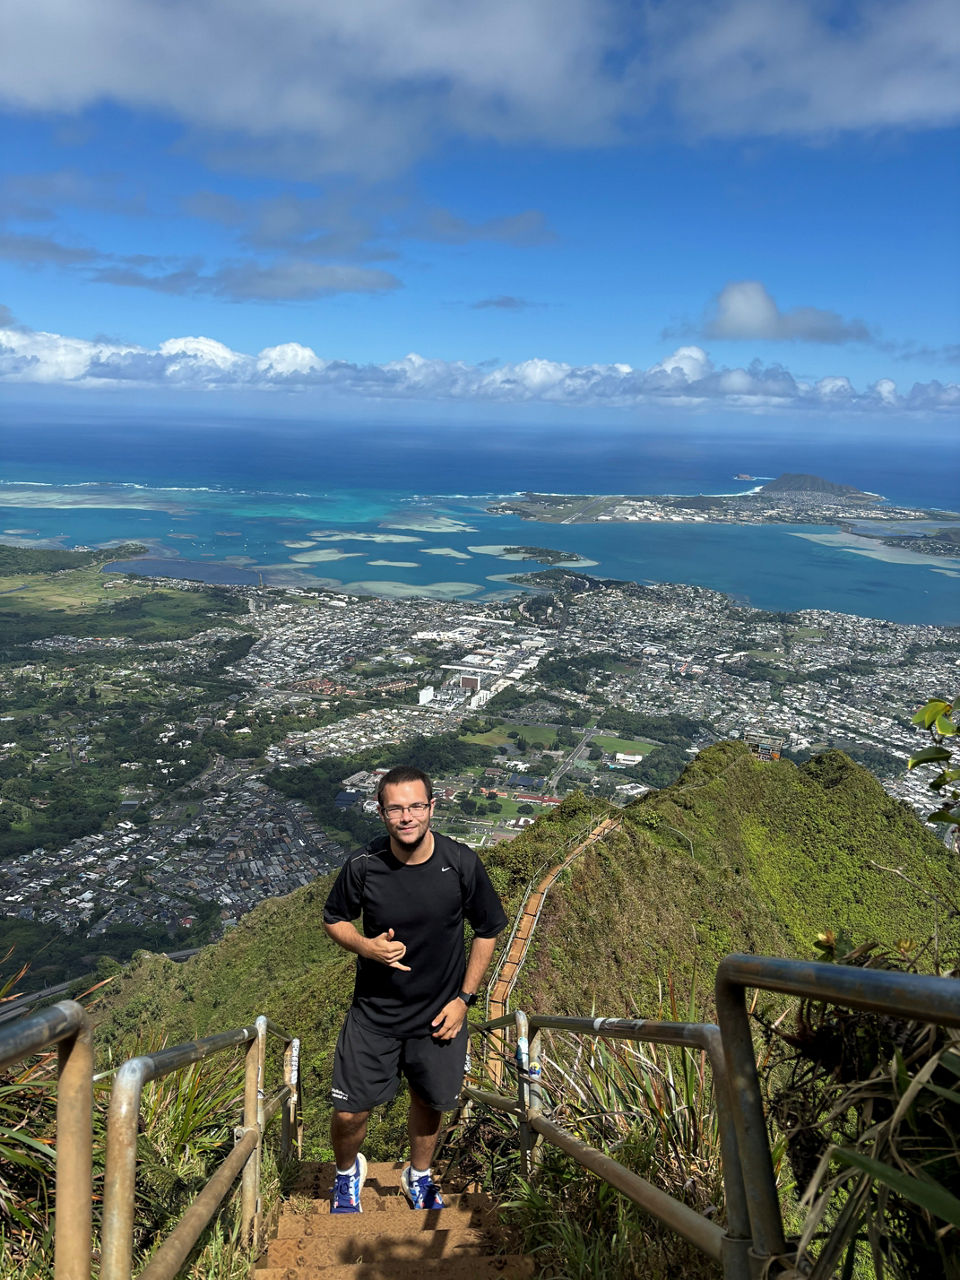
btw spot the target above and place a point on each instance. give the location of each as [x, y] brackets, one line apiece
[598, 686]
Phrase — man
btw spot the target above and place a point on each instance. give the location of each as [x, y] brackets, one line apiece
[413, 890]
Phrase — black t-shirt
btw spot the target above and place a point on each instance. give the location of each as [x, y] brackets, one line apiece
[425, 904]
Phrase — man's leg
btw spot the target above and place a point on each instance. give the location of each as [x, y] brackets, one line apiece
[423, 1126]
[347, 1132]
[364, 1076]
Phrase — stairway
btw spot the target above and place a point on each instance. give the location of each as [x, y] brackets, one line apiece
[388, 1240]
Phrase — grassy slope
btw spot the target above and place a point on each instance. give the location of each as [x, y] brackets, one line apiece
[779, 854]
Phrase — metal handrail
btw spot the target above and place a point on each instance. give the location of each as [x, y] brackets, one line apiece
[754, 1243]
[66, 1025]
[731, 1247]
[904, 995]
[121, 1155]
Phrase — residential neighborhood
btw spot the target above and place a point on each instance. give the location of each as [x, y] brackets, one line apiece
[544, 684]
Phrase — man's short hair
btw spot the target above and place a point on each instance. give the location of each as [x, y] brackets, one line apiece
[403, 773]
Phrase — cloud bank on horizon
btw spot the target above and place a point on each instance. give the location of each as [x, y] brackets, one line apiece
[687, 378]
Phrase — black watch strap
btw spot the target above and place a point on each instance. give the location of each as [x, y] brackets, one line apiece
[468, 1000]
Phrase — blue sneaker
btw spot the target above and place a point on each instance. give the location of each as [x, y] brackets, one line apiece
[423, 1193]
[347, 1187]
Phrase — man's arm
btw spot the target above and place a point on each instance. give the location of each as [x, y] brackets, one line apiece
[384, 948]
[450, 1018]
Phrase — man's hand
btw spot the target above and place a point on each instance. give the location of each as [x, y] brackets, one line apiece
[449, 1020]
[387, 950]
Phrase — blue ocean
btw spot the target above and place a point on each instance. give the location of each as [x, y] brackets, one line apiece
[400, 509]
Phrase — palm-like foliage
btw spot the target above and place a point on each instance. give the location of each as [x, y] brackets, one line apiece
[650, 1107]
[27, 1110]
[870, 1106]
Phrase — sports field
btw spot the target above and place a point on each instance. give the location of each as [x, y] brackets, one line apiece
[628, 746]
[535, 734]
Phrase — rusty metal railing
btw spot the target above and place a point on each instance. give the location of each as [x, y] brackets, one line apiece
[754, 1243]
[65, 1025]
[730, 1248]
[900, 995]
[121, 1163]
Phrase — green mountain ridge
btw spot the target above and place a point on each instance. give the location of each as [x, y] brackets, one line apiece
[738, 855]
[797, 482]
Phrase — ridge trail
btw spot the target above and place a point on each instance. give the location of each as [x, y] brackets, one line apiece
[508, 971]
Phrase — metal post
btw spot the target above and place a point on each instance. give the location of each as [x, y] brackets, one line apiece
[535, 1091]
[64, 1024]
[907, 995]
[286, 1118]
[74, 1223]
[256, 1159]
[250, 1185]
[121, 1170]
[523, 1090]
[760, 1181]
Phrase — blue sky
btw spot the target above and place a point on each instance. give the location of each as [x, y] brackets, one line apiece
[692, 207]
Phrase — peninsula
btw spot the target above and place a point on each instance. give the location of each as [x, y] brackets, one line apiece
[789, 499]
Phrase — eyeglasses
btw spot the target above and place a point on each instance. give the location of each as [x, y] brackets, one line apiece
[396, 810]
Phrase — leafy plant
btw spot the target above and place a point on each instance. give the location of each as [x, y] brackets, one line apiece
[870, 1106]
[939, 720]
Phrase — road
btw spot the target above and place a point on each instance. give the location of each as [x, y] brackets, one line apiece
[569, 761]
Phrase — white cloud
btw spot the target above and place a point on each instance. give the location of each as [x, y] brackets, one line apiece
[762, 67]
[687, 364]
[745, 310]
[350, 83]
[368, 85]
[289, 360]
[687, 377]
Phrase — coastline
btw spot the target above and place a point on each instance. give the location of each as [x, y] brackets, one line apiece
[343, 543]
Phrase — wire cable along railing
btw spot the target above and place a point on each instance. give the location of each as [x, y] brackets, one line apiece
[754, 1242]
[66, 1024]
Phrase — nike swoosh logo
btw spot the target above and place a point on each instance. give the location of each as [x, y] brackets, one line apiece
[444, 868]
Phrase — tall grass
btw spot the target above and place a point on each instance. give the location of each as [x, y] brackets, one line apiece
[651, 1108]
[27, 1109]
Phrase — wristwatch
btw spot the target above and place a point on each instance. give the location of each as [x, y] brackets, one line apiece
[468, 998]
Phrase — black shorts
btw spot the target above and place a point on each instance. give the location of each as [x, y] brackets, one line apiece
[368, 1065]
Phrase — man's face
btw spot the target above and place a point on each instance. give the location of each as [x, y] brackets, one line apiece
[405, 824]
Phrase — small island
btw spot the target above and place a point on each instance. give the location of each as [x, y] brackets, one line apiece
[545, 555]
